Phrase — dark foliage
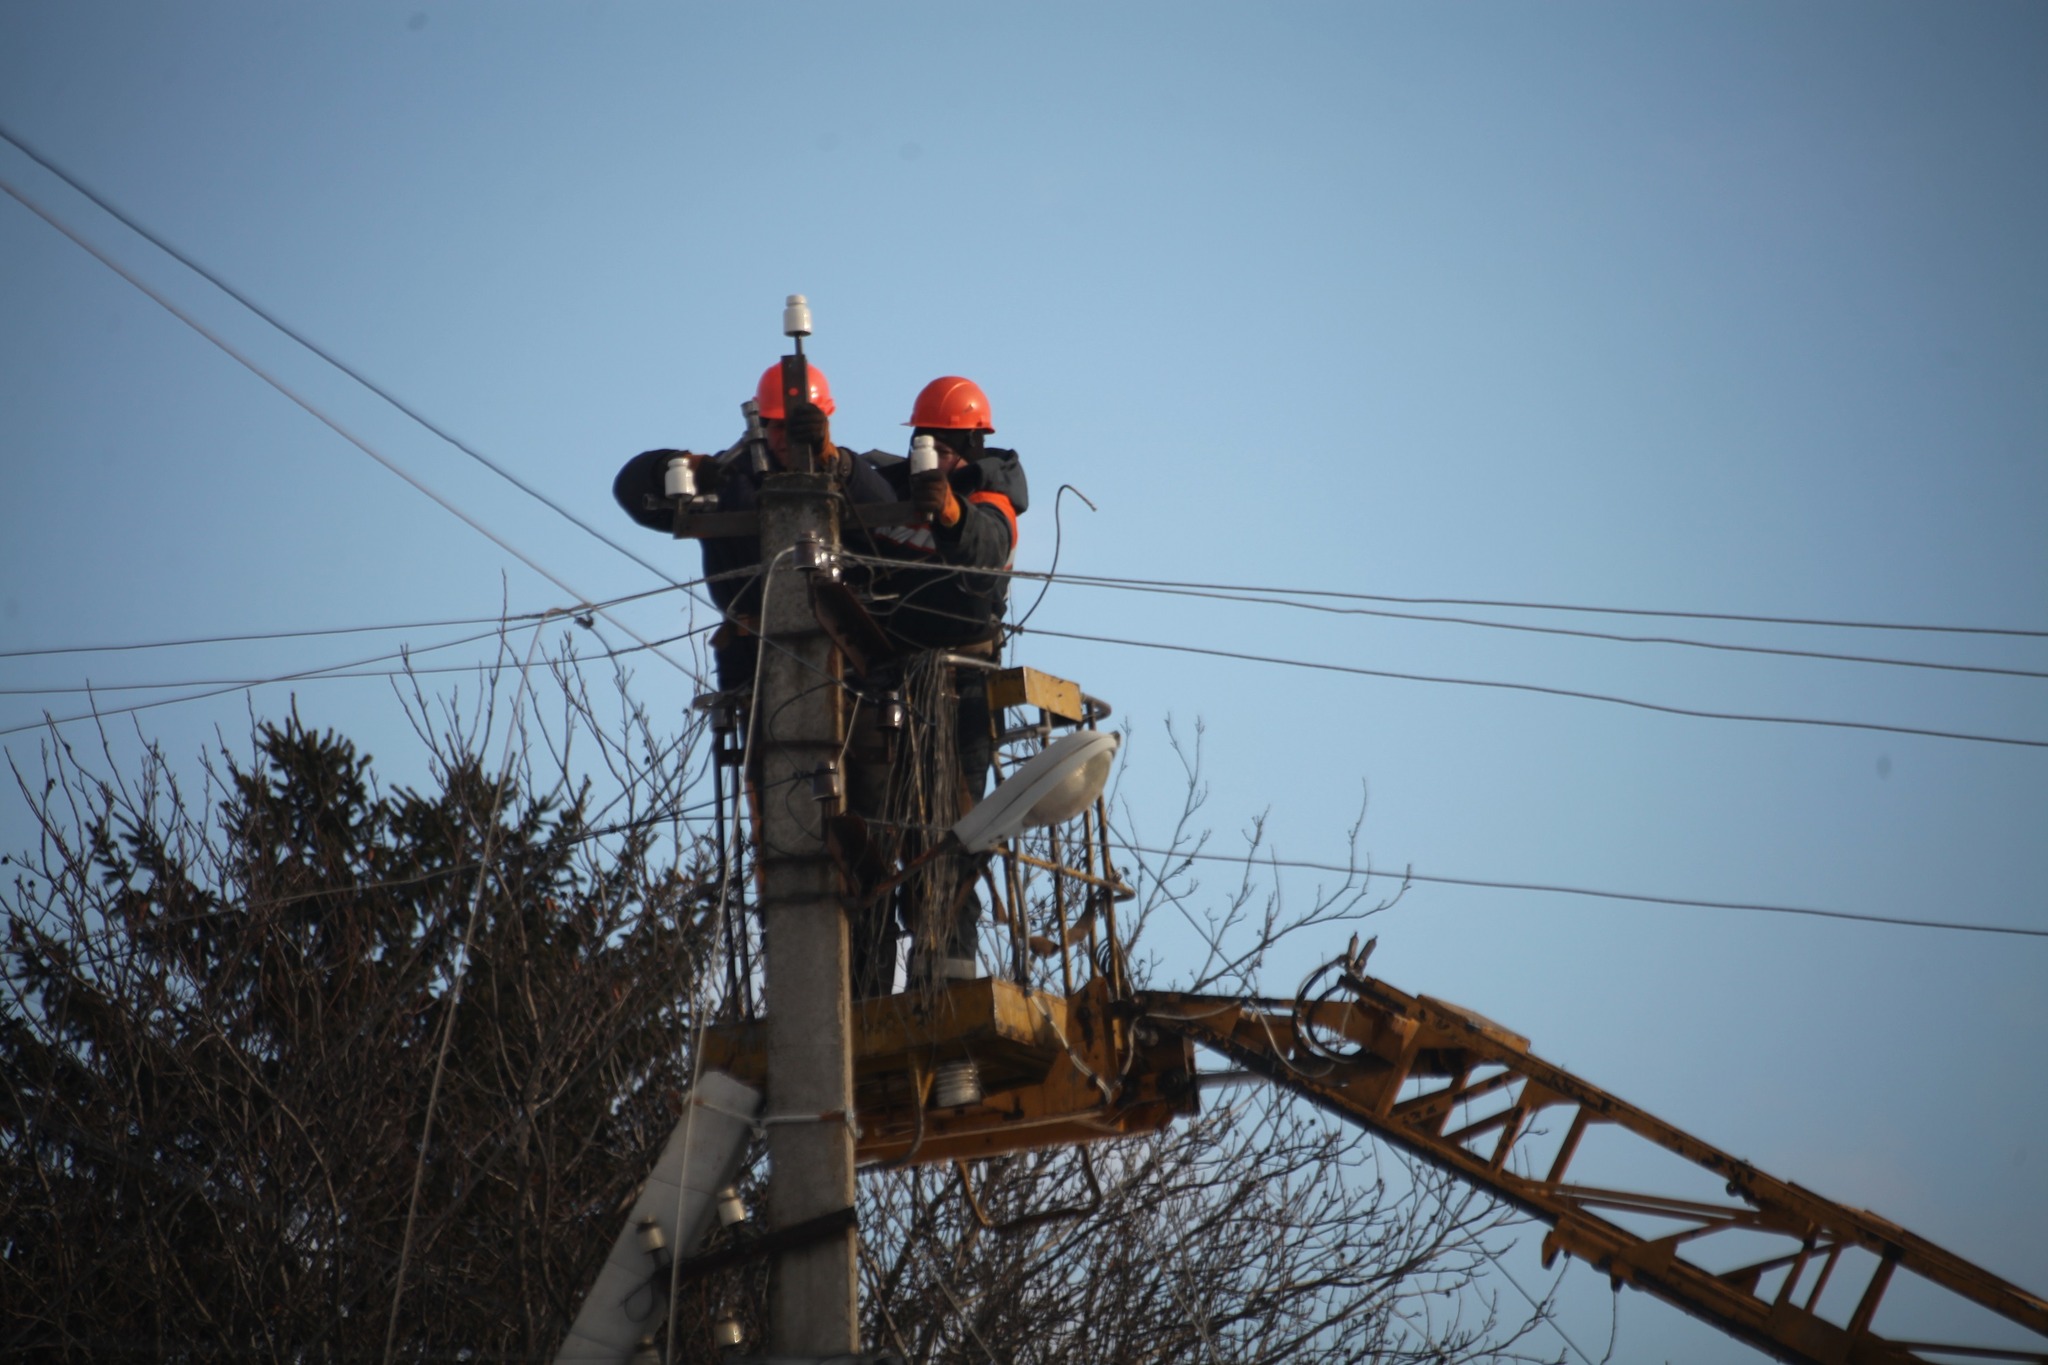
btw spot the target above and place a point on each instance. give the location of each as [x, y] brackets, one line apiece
[220, 1030]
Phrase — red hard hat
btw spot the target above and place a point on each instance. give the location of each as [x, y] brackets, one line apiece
[952, 403]
[768, 393]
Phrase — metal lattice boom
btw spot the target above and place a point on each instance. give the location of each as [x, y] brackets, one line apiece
[1462, 1092]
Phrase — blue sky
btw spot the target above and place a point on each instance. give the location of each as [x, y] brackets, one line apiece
[1738, 308]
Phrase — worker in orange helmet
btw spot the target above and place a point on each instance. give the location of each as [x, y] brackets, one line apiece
[970, 503]
[940, 590]
[734, 476]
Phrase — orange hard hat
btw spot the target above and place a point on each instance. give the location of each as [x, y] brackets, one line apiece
[768, 393]
[953, 404]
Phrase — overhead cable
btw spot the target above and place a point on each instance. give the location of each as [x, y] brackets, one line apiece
[217, 282]
[1248, 595]
[333, 424]
[313, 632]
[1358, 671]
[1564, 606]
[325, 670]
[1644, 898]
[315, 675]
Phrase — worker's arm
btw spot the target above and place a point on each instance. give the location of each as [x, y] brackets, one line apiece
[986, 497]
[640, 479]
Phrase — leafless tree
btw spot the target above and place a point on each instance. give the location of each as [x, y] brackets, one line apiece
[1259, 1232]
[227, 1014]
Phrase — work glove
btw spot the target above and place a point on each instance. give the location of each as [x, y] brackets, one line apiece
[809, 424]
[934, 498]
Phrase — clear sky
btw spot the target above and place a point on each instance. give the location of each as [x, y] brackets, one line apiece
[1735, 308]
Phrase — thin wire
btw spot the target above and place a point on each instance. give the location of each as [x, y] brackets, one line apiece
[330, 422]
[342, 670]
[265, 635]
[1085, 580]
[311, 675]
[1685, 902]
[1245, 596]
[1557, 606]
[356, 630]
[1545, 691]
[1255, 593]
[331, 673]
[100, 713]
[1059, 536]
[235, 294]
[1878, 726]
[329, 670]
[281, 326]
[454, 997]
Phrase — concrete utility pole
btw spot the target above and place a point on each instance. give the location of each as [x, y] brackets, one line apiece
[813, 1295]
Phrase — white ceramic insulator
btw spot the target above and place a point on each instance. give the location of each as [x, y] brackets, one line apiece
[924, 455]
[796, 317]
[955, 1084]
[680, 481]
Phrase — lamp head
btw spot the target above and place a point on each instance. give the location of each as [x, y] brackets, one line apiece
[1054, 785]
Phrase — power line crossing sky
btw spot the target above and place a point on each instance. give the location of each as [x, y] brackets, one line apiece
[1733, 309]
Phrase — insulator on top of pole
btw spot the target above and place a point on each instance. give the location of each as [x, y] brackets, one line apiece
[796, 376]
[796, 320]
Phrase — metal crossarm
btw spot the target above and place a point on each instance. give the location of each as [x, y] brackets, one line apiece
[1465, 1094]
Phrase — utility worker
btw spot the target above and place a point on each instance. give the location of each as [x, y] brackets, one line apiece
[970, 504]
[732, 476]
[940, 593]
[929, 587]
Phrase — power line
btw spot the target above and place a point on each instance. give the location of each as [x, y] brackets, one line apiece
[332, 673]
[217, 282]
[1188, 588]
[327, 420]
[504, 625]
[1675, 613]
[1234, 592]
[310, 633]
[1644, 898]
[325, 670]
[321, 675]
[1247, 595]
[1543, 690]
[318, 631]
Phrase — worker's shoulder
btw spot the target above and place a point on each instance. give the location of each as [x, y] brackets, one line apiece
[1002, 471]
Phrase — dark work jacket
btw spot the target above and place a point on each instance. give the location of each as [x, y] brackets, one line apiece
[933, 601]
[930, 596]
[731, 474]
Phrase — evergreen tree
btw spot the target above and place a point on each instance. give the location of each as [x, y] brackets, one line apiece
[219, 1038]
